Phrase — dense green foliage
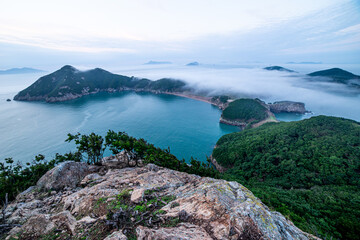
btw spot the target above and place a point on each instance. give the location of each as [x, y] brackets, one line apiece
[15, 178]
[245, 110]
[308, 170]
[70, 80]
[336, 74]
[91, 144]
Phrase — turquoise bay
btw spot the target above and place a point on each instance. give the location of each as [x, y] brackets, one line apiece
[188, 127]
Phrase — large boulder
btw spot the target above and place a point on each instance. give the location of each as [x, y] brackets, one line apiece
[37, 226]
[66, 174]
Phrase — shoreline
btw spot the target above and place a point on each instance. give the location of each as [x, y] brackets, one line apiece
[194, 97]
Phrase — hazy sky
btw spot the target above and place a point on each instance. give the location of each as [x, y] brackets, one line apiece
[91, 32]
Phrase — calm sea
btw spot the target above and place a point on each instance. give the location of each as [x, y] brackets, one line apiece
[188, 127]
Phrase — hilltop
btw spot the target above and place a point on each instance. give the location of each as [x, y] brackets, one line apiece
[193, 64]
[278, 68]
[69, 83]
[307, 169]
[246, 112]
[116, 201]
[337, 75]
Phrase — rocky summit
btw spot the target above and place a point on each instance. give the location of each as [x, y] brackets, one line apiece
[115, 201]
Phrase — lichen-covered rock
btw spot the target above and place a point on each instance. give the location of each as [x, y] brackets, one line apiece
[120, 160]
[191, 207]
[185, 231]
[65, 221]
[36, 227]
[137, 195]
[118, 235]
[66, 174]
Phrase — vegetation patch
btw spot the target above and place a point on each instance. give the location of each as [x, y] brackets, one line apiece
[245, 110]
[308, 170]
[126, 216]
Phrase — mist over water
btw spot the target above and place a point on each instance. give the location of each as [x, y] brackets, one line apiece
[188, 127]
[321, 98]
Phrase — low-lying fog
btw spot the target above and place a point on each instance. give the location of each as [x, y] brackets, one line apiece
[319, 97]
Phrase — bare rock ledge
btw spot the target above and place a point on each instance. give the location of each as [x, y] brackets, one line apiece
[206, 208]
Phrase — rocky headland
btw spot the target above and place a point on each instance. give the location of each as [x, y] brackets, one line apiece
[287, 107]
[122, 199]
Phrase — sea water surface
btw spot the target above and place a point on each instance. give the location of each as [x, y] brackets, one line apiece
[188, 127]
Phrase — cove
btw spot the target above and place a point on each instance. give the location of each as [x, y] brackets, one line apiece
[188, 127]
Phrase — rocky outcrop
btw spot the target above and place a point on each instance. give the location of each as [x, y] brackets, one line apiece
[287, 107]
[182, 231]
[147, 202]
[66, 174]
[121, 160]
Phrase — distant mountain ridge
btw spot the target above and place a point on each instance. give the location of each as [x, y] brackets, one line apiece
[157, 62]
[23, 70]
[193, 64]
[69, 83]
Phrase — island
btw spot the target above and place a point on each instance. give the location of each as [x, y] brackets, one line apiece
[336, 75]
[157, 62]
[193, 64]
[247, 113]
[23, 70]
[69, 83]
[304, 62]
[287, 107]
[278, 68]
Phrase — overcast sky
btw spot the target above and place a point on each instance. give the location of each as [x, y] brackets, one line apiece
[47, 33]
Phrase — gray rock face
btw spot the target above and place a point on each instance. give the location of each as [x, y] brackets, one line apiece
[120, 160]
[183, 231]
[204, 208]
[66, 174]
[287, 107]
[137, 195]
[118, 235]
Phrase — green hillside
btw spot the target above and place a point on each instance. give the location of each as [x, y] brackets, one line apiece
[336, 74]
[245, 110]
[69, 80]
[308, 170]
